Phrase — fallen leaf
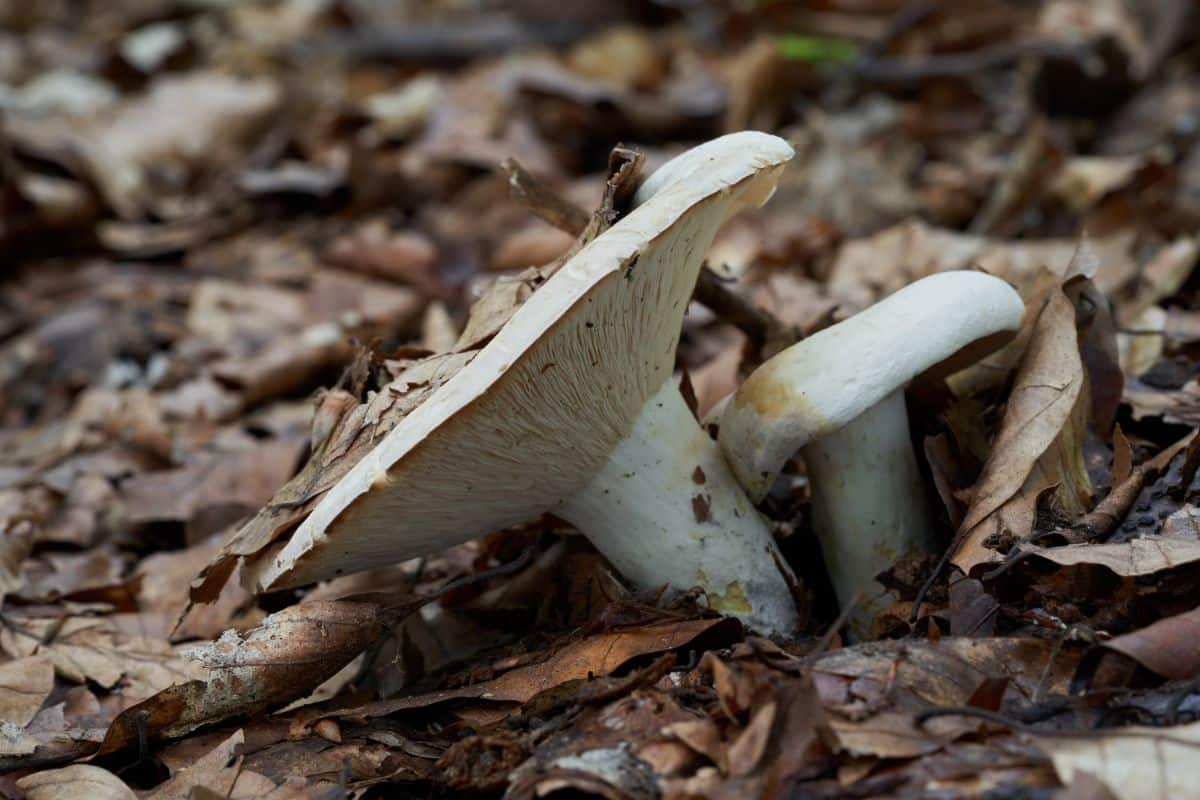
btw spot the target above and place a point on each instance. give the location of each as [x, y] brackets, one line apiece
[74, 782]
[1143, 556]
[216, 771]
[214, 490]
[1039, 444]
[593, 656]
[25, 683]
[869, 268]
[286, 657]
[1133, 762]
[1169, 647]
[188, 119]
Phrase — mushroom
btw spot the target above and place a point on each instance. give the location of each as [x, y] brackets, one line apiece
[838, 397]
[572, 409]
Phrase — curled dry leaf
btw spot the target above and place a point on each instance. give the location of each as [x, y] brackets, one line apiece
[1169, 647]
[1039, 445]
[286, 657]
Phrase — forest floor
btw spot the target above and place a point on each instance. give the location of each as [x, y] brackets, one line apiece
[226, 228]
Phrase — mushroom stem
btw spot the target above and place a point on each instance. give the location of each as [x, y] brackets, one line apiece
[839, 397]
[868, 503]
[674, 514]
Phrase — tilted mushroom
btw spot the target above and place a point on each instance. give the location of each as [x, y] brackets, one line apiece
[839, 397]
[572, 409]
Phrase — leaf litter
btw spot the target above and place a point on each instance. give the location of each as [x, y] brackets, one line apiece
[242, 242]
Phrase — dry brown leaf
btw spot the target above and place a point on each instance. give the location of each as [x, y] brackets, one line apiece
[1082, 181]
[1176, 406]
[1135, 762]
[183, 119]
[624, 56]
[1162, 276]
[1143, 556]
[286, 657]
[161, 582]
[214, 490]
[216, 771]
[398, 256]
[1040, 440]
[24, 685]
[93, 649]
[56, 575]
[75, 782]
[16, 540]
[867, 269]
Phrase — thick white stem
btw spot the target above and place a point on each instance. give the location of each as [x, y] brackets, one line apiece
[666, 509]
[868, 502]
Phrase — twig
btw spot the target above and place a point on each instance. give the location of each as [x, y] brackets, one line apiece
[453, 42]
[544, 201]
[759, 325]
[909, 71]
[1027, 167]
[842, 618]
[923, 716]
[928, 584]
[904, 20]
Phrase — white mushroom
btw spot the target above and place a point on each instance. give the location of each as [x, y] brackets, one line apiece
[839, 397]
[572, 409]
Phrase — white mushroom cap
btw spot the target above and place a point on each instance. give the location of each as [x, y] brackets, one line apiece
[537, 414]
[822, 383]
[699, 159]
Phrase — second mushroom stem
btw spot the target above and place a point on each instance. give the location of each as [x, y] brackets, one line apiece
[673, 512]
[868, 503]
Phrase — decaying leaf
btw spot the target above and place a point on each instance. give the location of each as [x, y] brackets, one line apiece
[284, 658]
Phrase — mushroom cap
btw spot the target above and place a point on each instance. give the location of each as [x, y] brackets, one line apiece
[822, 383]
[536, 413]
